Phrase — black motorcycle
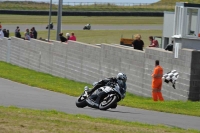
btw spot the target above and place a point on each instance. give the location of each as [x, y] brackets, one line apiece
[103, 98]
[87, 27]
[51, 26]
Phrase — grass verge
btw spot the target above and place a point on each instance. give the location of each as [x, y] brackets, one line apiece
[112, 20]
[73, 88]
[162, 5]
[14, 120]
[84, 6]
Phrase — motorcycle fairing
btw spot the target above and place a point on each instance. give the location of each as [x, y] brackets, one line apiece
[96, 97]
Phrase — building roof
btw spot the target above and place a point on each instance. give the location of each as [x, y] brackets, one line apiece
[184, 4]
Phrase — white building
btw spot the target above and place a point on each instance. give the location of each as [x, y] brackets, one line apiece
[183, 26]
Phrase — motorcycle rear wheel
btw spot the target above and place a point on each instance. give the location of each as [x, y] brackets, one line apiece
[81, 102]
[104, 105]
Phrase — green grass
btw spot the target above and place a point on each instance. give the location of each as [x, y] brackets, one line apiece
[73, 88]
[104, 36]
[14, 120]
[92, 36]
[111, 20]
[162, 5]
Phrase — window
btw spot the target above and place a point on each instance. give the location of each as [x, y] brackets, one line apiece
[178, 20]
[192, 22]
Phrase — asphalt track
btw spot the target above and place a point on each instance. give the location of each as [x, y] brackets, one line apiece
[16, 94]
[12, 28]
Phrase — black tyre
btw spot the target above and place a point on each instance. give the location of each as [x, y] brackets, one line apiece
[81, 102]
[108, 103]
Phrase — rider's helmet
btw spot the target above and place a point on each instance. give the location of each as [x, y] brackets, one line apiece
[122, 76]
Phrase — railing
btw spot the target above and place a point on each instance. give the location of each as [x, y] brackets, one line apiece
[87, 6]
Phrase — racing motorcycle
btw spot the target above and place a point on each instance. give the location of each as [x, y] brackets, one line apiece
[102, 98]
[87, 27]
[51, 26]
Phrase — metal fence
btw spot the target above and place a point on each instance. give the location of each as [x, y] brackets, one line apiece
[86, 6]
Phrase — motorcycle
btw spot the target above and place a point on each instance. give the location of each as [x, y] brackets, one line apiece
[51, 26]
[87, 27]
[103, 98]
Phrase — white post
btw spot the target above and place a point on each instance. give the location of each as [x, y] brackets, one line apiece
[59, 19]
[8, 51]
[176, 49]
[50, 9]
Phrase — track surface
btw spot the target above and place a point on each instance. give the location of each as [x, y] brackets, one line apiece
[12, 28]
[12, 93]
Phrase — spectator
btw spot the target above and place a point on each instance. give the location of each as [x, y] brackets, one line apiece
[27, 35]
[138, 43]
[1, 34]
[68, 36]
[72, 37]
[154, 43]
[5, 33]
[16, 30]
[34, 33]
[157, 82]
[169, 47]
[8, 33]
[0, 26]
[31, 34]
[62, 38]
[18, 34]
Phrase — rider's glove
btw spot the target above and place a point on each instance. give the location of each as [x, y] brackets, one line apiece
[114, 79]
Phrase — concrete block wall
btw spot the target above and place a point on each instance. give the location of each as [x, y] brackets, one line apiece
[89, 63]
[115, 59]
[3, 49]
[168, 62]
[35, 55]
[82, 62]
[194, 90]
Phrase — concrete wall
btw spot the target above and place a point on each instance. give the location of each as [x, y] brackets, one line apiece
[190, 43]
[194, 91]
[89, 63]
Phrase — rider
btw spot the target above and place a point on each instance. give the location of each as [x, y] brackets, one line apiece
[51, 25]
[120, 79]
[88, 25]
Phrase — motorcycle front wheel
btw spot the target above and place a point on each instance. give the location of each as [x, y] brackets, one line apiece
[81, 101]
[108, 102]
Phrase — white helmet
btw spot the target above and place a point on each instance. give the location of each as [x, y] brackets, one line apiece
[122, 76]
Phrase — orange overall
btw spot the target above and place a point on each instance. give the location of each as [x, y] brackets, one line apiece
[157, 83]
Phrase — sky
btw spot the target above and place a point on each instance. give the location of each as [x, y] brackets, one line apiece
[107, 1]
